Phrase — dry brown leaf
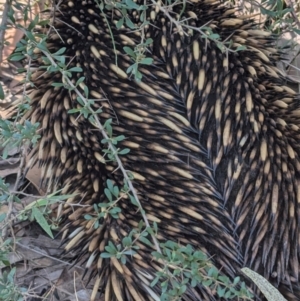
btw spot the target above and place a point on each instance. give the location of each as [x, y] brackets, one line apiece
[33, 176]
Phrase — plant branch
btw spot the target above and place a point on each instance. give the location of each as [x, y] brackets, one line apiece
[111, 147]
[4, 22]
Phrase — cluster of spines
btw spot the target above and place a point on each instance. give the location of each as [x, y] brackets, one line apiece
[213, 139]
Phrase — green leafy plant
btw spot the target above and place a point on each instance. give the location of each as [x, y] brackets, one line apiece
[8, 290]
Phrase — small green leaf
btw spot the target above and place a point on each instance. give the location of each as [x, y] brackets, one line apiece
[42, 221]
[240, 48]
[108, 194]
[124, 151]
[207, 282]
[129, 23]
[214, 36]
[60, 51]
[75, 69]
[145, 241]
[297, 31]
[61, 59]
[148, 41]
[130, 252]
[2, 217]
[221, 291]
[120, 23]
[57, 84]
[33, 23]
[123, 259]
[105, 255]
[116, 191]
[156, 279]
[2, 96]
[147, 61]
[30, 36]
[16, 57]
[80, 80]
[236, 280]
[132, 5]
[133, 200]
[129, 51]
[126, 242]
[130, 69]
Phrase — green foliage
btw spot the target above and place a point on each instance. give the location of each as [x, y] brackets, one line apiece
[41, 212]
[139, 58]
[280, 17]
[123, 7]
[4, 249]
[15, 134]
[118, 252]
[109, 152]
[184, 266]
[128, 247]
[4, 191]
[2, 96]
[111, 208]
[8, 290]
[277, 15]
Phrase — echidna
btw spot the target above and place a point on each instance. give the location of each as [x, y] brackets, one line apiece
[213, 138]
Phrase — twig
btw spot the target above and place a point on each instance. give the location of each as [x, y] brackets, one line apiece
[48, 256]
[292, 5]
[11, 197]
[112, 148]
[6, 9]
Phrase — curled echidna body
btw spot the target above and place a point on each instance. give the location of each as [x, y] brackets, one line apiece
[213, 138]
